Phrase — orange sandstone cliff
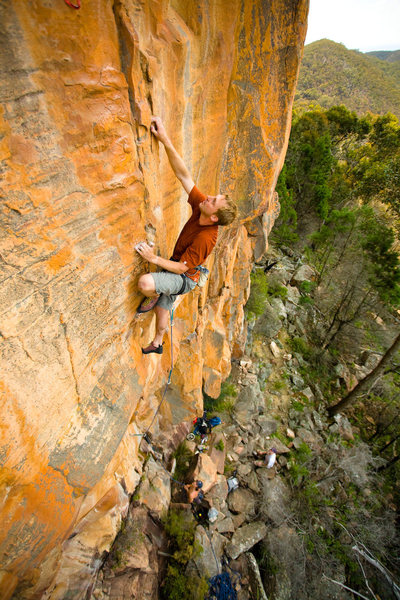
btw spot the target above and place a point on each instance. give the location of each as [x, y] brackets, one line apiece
[83, 181]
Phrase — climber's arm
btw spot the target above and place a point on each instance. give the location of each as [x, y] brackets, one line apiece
[168, 265]
[176, 162]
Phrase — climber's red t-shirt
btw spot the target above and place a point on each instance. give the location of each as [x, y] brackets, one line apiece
[195, 242]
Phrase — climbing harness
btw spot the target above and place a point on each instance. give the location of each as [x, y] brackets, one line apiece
[72, 5]
[204, 273]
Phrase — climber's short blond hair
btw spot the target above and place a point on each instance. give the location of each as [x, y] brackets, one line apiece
[227, 213]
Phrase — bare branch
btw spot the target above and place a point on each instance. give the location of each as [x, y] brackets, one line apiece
[365, 578]
[373, 561]
[346, 587]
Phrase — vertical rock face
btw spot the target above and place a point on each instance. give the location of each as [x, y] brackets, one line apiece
[83, 181]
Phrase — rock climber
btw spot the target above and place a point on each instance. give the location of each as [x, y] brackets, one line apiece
[196, 241]
[194, 491]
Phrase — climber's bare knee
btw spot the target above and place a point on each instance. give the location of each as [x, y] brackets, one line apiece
[146, 285]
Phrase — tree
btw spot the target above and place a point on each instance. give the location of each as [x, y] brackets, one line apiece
[285, 229]
[365, 383]
[309, 163]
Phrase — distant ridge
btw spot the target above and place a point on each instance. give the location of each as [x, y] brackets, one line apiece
[331, 74]
[388, 55]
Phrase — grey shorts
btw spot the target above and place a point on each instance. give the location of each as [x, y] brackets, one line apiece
[168, 285]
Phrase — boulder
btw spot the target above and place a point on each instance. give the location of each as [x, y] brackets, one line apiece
[155, 487]
[275, 496]
[293, 297]
[226, 525]
[317, 392]
[242, 501]
[360, 372]
[343, 373]
[206, 471]
[267, 426]
[280, 446]
[310, 438]
[279, 275]
[206, 563]
[282, 460]
[283, 543]
[252, 482]
[308, 393]
[245, 538]
[279, 308]
[300, 322]
[318, 420]
[275, 349]
[244, 469]
[303, 273]
[269, 324]
[264, 373]
[372, 360]
[247, 403]
[256, 584]
[238, 520]
[297, 381]
[218, 456]
[219, 491]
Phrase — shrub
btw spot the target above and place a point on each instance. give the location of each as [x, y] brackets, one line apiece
[306, 287]
[258, 293]
[277, 291]
[300, 346]
[225, 401]
[182, 456]
[220, 446]
[180, 527]
[177, 586]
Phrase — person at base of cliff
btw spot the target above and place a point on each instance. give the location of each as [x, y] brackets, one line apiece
[195, 242]
[194, 494]
[269, 458]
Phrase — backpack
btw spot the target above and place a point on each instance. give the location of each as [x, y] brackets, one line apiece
[200, 511]
[213, 422]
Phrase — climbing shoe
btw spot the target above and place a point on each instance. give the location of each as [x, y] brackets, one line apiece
[153, 348]
[147, 304]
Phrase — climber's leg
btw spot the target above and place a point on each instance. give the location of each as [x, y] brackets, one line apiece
[168, 286]
[162, 317]
[156, 346]
[147, 285]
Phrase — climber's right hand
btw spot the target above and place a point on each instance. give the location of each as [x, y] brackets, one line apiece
[158, 130]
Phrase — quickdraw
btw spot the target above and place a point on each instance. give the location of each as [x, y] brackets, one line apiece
[72, 5]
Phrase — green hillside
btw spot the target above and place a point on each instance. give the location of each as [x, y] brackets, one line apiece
[388, 55]
[331, 74]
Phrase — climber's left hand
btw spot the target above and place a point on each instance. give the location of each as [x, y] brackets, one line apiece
[146, 252]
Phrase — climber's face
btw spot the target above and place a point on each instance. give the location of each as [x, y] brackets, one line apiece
[211, 205]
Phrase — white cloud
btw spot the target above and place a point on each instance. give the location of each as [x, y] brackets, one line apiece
[358, 24]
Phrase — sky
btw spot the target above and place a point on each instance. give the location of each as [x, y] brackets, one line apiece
[363, 25]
